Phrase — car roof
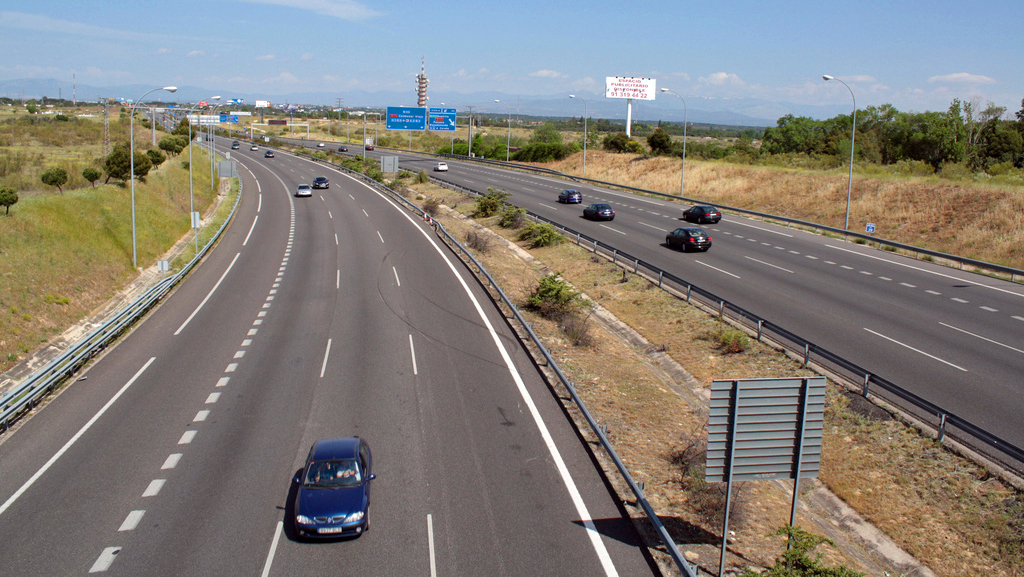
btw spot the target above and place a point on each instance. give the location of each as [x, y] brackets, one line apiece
[600, 205]
[342, 448]
[303, 185]
[705, 206]
[320, 178]
[570, 190]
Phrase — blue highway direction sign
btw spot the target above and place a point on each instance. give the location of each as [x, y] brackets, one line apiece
[406, 118]
[442, 119]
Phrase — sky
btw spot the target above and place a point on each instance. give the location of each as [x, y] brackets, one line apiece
[915, 55]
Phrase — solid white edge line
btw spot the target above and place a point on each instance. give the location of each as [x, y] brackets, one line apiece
[915, 350]
[273, 549]
[10, 501]
[251, 228]
[563, 470]
[412, 350]
[327, 353]
[208, 295]
[430, 545]
[982, 338]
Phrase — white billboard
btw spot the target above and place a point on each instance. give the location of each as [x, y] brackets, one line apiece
[630, 87]
[262, 104]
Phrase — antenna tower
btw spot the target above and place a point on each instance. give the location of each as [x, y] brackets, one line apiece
[421, 84]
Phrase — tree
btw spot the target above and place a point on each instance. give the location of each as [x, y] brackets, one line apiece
[92, 175]
[173, 143]
[660, 142]
[156, 157]
[617, 142]
[7, 198]
[546, 133]
[118, 163]
[55, 177]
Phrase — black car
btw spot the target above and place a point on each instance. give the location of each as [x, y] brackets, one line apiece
[236, 145]
[342, 149]
[321, 182]
[599, 211]
[333, 496]
[689, 237]
[702, 213]
[268, 154]
[570, 196]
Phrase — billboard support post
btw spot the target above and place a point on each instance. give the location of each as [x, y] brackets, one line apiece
[630, 87]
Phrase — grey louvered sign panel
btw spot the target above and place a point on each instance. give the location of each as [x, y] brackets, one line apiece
[774, 418]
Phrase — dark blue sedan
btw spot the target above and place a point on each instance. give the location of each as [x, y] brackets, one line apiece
[333, 496]
[570, 197]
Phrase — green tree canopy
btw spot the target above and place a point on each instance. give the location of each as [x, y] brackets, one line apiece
[660, 142]
[156, 157]
[91, 175]
[7, 198]
[55, 177]
[118, 163]
[546, 133]
[173, 143]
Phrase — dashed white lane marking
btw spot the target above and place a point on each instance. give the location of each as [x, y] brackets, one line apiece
[336, 239]
[105, 560]
[430, 545]
[884, 278]
[201, 416]
[273, 547]
[154, 488]
[239, 354]
[330, 215]
[187, 437]
[658, 228]
[612, 229]
[864, 272]
[261, 314]
[716, 268]
[364, 212]
[42, 470]
[327, 353]
[251, 228]
[915, 350]
[959, 300]
[246, 342]
[213, 398]
[908, 285]
[548, 206]
[1018, 318]
[982, 338]
[397, 280]
[132, 521]
[770, 264]
[931, 292]
[812, 257]
[208, 295]
[171, 461]
[257, 322]
[381, 237]
[741, 223]
[231, 368]
[252, 332]
[829, 262]
[412, 350]
[989, 309]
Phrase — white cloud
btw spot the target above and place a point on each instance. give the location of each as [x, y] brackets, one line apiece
[164, 51]
[196, 54]
[342, 9]
[962, 78]
[722, 79]
[265, 57]
[548, 74]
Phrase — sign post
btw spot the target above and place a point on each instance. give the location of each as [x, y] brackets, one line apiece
[630, 87]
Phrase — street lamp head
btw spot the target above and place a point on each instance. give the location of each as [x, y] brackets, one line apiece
[171, 88]
[496, 100]
[826, 77]
[572, 96]
[663, 89]
[215, 98]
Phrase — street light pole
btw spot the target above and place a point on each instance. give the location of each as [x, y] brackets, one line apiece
[508, 141]
[131, 164]
[584, 131]
[469, 152]
[853, 135]
[682, 179]
[213, 151]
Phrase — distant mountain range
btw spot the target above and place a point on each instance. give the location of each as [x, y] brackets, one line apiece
[738, 112]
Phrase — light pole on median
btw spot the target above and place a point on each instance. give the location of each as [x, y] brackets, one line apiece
[853, 135]
[213, 151]
[131, 164]
[508, 141]
[584, 131]
[682, 178]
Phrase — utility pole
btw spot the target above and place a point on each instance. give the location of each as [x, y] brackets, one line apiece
[340, 101]
[470, 152]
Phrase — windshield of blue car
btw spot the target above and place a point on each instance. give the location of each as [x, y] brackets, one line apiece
[341, 473]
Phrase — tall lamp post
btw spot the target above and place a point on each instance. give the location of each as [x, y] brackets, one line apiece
[213, 150]
[853, 135]
[682, 179]
[508, 141]
[584, 131]
[131, 163]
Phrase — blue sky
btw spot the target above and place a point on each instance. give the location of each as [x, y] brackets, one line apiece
[916, 55]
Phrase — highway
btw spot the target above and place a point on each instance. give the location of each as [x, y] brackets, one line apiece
[952, 337]
[318, 317]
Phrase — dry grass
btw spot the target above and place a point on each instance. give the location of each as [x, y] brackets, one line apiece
[984, 222]
[946, 511]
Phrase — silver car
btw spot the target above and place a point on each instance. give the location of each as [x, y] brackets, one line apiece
[304, 190]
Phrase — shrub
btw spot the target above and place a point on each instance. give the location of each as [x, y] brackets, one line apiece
[794, 562]
[727, 339]
[617, 142]
[577, 327]
[539, 235]
[490, 203]
[92, 175]
[544, 152]
[478, 241]
[512, 217]
[554, 298]
[422, 177]
[431, 205]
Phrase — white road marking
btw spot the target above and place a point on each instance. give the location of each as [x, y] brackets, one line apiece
[1018, 318]
[959, 300]
[329, 213]
[261, 314]
[741, 223]
[105, 560]
[915, 350]
[884, 278]
[35, 477]
[337, 279]
[867, 273]
[239, 354]
[252, 332]
[381, 237]
[982, 338]
[364, 212]
[251, 228]
[412, 350]
[846, 267]
[231, 368]
[548, 206]
[208, 295]
[201, 416]
[612, 229]
[187, 437]
[430, 545]
[327, 353]
[259, 205]
[246, 342]
[273, 549]
[931, 292]
[794, 252]
[172, 461]
[397, 280]
[132, 520]
[908, 285]
[989, 309]
[154, 488]
[769, 264]
[716, 268]
[336, 239]
[658, 228]
[213, 398]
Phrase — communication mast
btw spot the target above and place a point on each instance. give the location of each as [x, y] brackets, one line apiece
[106, 127]
[421, 84]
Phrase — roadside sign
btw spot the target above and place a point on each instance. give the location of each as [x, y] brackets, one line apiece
[870, 228]
[406, 118]
[442, 119]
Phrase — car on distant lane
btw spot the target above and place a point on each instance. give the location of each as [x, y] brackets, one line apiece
[570, 197]
[342, 149]
[368, 147]
[321, 182]
[304, 190]
[702, 213]
[320, 145]
[599, 211]
[332, 498]
[268, 154]
[688, 238]
[441, 167]
[236, 145]
[254, 147]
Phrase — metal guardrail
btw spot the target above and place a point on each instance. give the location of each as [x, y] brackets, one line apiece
[46, 380]
[944, 423]
[637, 490]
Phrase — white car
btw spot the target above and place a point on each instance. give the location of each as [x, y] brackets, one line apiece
[304, 190]
[441, 167]
[254, 147]
[321, 145]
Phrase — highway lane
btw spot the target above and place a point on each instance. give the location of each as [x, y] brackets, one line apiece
[323, 316]
[950, 336]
